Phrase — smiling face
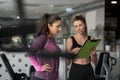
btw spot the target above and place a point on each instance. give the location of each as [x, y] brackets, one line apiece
[55, 27]
[79, 27]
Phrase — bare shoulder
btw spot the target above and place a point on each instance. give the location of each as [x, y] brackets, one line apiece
[69, 42]
[92, 37]
[69, 39]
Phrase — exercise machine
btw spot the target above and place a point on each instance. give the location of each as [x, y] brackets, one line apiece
[104, 67]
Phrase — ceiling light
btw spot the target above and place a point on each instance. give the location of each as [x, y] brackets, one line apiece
[18, 17]
[113, 2]
[69, 10]
[52, 5]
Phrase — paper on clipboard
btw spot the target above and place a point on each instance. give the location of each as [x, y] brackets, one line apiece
[85, 50]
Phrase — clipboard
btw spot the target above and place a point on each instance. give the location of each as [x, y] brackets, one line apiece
[85, 50]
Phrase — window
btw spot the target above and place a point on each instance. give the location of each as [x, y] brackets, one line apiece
[16, 43]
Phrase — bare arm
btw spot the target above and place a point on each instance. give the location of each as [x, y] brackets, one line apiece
[94, 58]
[68, 48]
[94, 54]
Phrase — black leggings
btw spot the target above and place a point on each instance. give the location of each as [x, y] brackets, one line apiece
[81, 72]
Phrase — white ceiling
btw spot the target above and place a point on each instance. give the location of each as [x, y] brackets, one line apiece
[36, 8]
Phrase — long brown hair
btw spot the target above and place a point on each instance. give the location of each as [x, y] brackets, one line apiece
[45, 20]
[81, 18]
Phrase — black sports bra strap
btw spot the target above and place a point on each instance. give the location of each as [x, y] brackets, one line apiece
[75, 44]
[73, 38]
[89, 37]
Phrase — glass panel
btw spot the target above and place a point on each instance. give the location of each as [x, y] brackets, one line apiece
[13, 43]
[30, 38]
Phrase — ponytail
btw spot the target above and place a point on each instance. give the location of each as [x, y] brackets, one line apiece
[43, 25]
[45, 20]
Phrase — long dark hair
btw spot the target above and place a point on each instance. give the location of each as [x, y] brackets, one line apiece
[81, 18]
[45, 20]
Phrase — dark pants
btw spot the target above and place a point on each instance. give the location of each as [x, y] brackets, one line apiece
[81, 72]
[35, 78]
